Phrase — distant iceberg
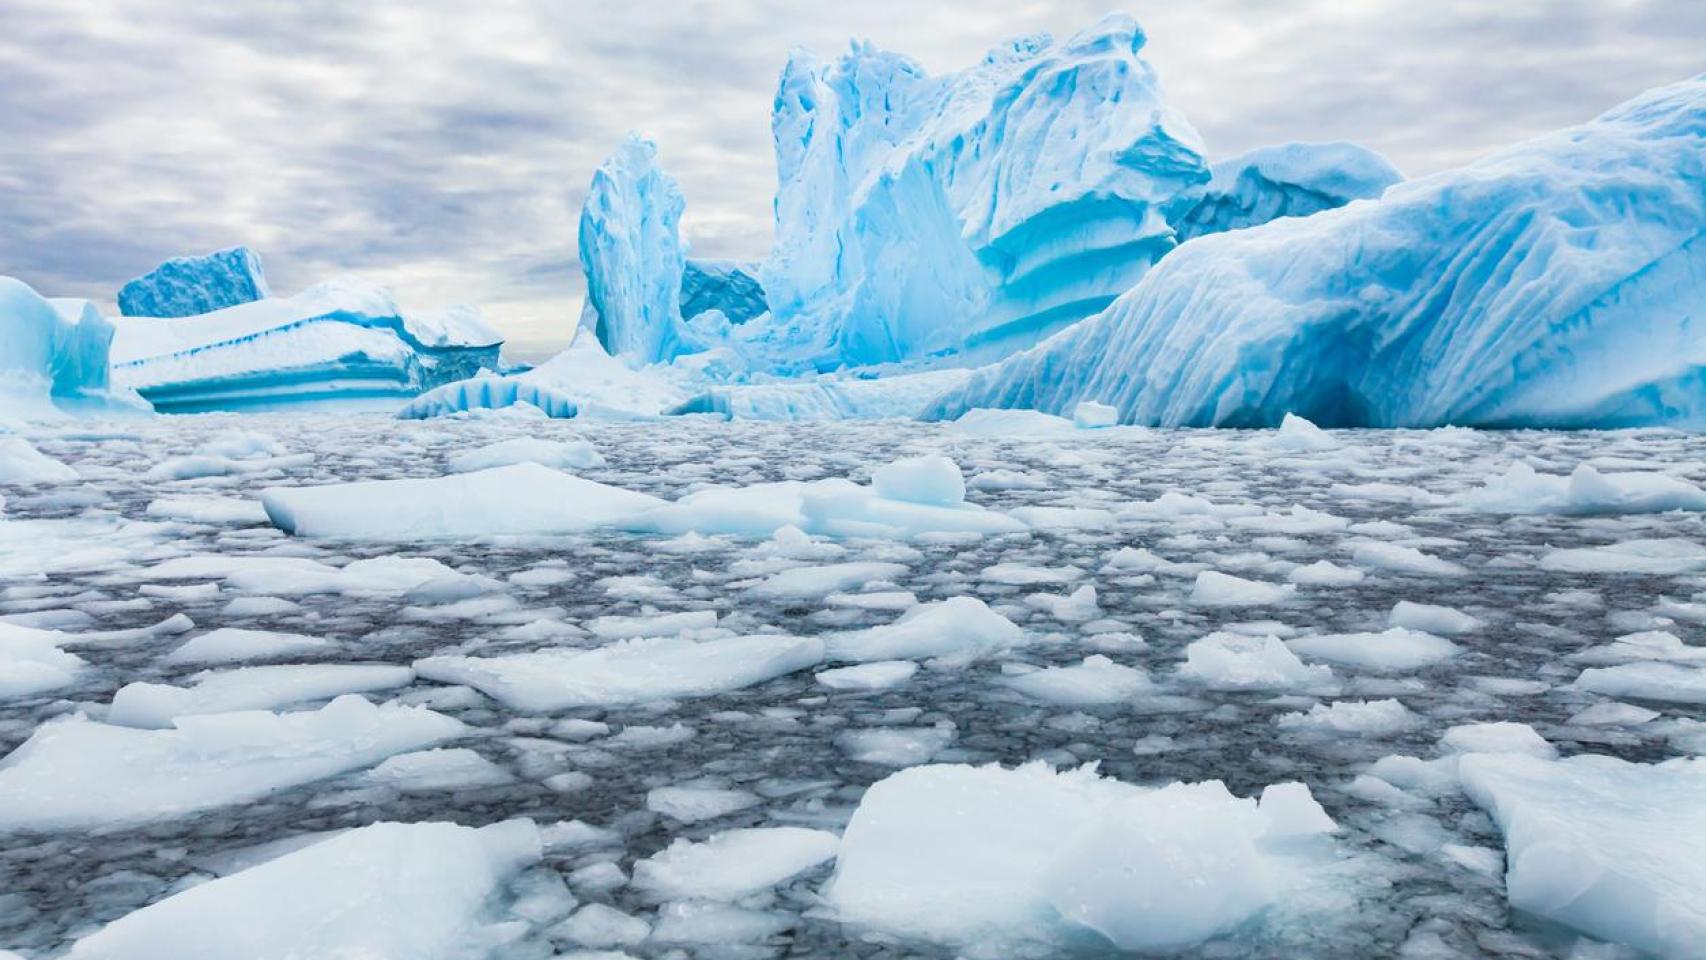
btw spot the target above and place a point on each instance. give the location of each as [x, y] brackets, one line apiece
[1557, 283]
[187, 286]
[345, 341]
[1286, 180]
[54, 357]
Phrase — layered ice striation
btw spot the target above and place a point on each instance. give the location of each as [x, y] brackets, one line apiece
[972, 212]
[54, 356]
[1286, 180]
[729, 286]
[187, 286]
[344, 341]
[1556, 283]
[630, 251]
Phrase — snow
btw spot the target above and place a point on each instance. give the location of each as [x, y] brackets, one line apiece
[1586, 491]
[1286, 180]
[733, 864]
[967, 212]
[187, 286]
[958, 629]
[414, 890]
[971, 854]
[627, 672]
[523, 498]
[1097, 680]
[61, 778]
[54, 358]
[631, 255]
[1233, 661]
[1614, 849]
[1565, 310]
[343, 342]
[248, 688]
[1395, 649]
[557, 454]
[22, 465]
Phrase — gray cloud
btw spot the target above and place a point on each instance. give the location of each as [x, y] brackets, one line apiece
[444, 147]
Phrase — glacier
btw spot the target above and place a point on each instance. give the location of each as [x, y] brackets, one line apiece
[1286, 180]
[968, 212]
[54, 357]
[187, 286]
[1556, 283]
[345, 341]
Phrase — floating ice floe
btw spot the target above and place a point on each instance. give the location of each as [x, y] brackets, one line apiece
[1375, 718]
[297, 576]
[1235, 661]
[631, 671]
[22, 465]
[557, 454]
[1670, 682]
[418, 890]
[31, 663]
[1395, 649]
[959, 630]
[1585, 491]
[1657, 557]
[877, 675]
[234, 644]
[248, 688]
[733, 864]
[1097, 680]
[977, 854]
[1216, 589]
[78, 774]
[1614, 849]
[1432, 618]
[431, 771]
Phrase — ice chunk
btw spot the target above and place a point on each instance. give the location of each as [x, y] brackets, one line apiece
[1585, 491]
[958, 628]
[1402, 559]
[1502, 736]
[31, 662]
[23, 465]
[693, 804]
[1095, 681]
[878, 675]
[631, 671]
[248, 688]
[934, 480]
[1234, 661]
[1566, 311]
[1656, 557]
[77, 774]
[895, 746]
[207, 510]
[1395, 649]
[1431, 618]
[804, 583]
[429, 771]
[417, 890]
[1670, 682]
[631, 255]
[558, 454]
[1614, 849]
[524, 498]
[231, 644]
[1090, 415]
[1216, 589]
[969, 854]
[900, 396]
[972, 212]
[1286, 180]
[733, 864]
[54, 357]
[186, 286]
[1377, 718]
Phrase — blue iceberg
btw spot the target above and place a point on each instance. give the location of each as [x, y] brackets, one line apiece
[1286, 180]
[187, 286]
[1557, 283]
[728, 286]
[972, 213]
[54, 357]
[344, 342]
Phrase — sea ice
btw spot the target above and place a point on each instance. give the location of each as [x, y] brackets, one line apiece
[248, 688]
[1395, 649]
[959, 629]
[733, 864]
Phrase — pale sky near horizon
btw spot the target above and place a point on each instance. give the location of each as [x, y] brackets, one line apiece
[443, 148]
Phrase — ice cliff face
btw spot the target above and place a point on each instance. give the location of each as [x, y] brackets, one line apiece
[186, 286]
[726, 285]
[1560, 282]
[972, 212]
[53, 356]
[1286, 180]
[630, 251]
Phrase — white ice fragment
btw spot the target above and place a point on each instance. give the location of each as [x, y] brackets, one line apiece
[232, 645]
[693, 804]
[877, 675]
[1585, 491]
[733, 864]
[1090, 415]
[1431, 618]
[556, 454]
[1216, 589]
[1394, 649]
[959, 629]
[1097, 680]
[248, 688]
[1503, 736]
[1231, 661]
[933, 480]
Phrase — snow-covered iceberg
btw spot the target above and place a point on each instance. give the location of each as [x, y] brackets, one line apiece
[970, 212]
[54, 356]
[188, 286]
[1556, 283]
[343, 341]
[1286, 180]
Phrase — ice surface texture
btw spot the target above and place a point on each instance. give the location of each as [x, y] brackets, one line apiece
[53, 356]
[1555, 283]
[186, 286]
[920, 214]
[726, 285]
[1286, 180]
[344, 340]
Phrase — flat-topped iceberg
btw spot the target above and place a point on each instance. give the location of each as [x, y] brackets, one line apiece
[1552, 284]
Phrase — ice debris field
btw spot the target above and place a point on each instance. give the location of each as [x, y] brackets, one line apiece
[988, 571]
[519, 687]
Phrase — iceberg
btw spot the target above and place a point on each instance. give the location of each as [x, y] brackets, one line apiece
[903, 397]
[1286, 180]
[188, 286]
[582, 381]
[54, 356]
[344, 341]
[630, 251]
[1556, 283]
[969, 213]
[729, 286]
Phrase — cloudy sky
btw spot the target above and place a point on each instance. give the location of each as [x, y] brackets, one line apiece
[443, 147]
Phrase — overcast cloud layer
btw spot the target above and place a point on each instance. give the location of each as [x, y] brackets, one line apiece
[443, 147]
